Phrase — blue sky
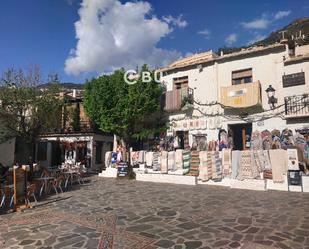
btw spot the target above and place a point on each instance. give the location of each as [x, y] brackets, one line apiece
[112, 34]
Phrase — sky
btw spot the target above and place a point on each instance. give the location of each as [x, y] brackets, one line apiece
[80, 39]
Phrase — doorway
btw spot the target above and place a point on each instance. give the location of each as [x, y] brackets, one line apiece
[241, 136]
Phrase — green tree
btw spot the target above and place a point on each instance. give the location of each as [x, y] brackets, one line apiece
[26, 109]
[133, 112]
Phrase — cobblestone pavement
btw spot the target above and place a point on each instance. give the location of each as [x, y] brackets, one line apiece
[116, 213]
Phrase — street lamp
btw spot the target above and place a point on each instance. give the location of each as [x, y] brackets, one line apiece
[272, 100]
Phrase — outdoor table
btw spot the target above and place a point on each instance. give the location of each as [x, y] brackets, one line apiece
[70, 174]
[45, 181]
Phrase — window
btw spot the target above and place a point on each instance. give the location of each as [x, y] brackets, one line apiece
[181, 82]
[294, 79]
[242, 76]
[42, 151]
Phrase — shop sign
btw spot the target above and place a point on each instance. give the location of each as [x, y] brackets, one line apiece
[294, 178]
[122, 169]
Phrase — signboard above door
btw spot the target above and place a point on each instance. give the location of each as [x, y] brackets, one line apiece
[294, 79]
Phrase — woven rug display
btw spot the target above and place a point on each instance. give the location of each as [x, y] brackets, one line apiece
[247, 168]
[149, 159]
[235, 163]
[194, 163]
[216, 166]
[178, 159]
[186, 157]
[205, 166]
[227, 162]
[164, 168]
[156, 164]
[171, 164]
[279, 164]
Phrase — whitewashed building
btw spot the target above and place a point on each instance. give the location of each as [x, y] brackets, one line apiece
[229, 92]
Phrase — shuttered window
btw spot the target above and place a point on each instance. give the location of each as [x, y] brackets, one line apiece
[242, 76]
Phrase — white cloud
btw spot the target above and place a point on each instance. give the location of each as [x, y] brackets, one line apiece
[282, 13]
[111, 35]
[205, 32]
[261, 23]
[265, 20]
[256, 38]
[230, 39]
[176, 21]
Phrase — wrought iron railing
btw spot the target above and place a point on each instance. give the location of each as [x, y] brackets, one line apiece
[177, 99]
[83, 127]
[297, 106]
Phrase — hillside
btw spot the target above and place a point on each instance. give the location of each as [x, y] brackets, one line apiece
[292, 29]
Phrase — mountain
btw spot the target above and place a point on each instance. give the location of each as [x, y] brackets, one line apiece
[291, 30]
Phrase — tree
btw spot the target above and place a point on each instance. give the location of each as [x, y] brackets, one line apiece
[26, 109]
[132, 112]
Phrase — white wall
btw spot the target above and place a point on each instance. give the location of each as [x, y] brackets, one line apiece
[267, 68]
[7, 151]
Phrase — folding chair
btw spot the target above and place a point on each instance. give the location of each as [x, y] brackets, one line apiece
[31, 193]
[57, 183]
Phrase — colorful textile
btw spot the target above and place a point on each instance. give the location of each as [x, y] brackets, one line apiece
[171, 165]
[156, 161]
[256, 141]
[108, 159]
[149, 159]
[134, 157]
[266, 139]
[205, 169]
[114, 157]
[186, 156]
[278, 164]
[164, 167]
[261, 160]
[178, 159]
[194, 163]
[235, 163]
[216, 166]
[247, 168]
[226, 162]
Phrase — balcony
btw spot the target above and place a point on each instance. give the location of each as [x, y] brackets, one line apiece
[297, 106]
[241, 95]
[84, 127]
[178, 99]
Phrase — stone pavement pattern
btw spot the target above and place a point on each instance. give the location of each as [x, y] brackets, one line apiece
[118, 213]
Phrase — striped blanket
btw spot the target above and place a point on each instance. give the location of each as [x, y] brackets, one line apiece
[205, 166]
[194, 163]
[186, 156]
[178, 159]
[216, 166]
[227, 162]
[156, 161]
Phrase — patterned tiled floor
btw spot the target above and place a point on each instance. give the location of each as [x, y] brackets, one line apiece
[116, 213]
